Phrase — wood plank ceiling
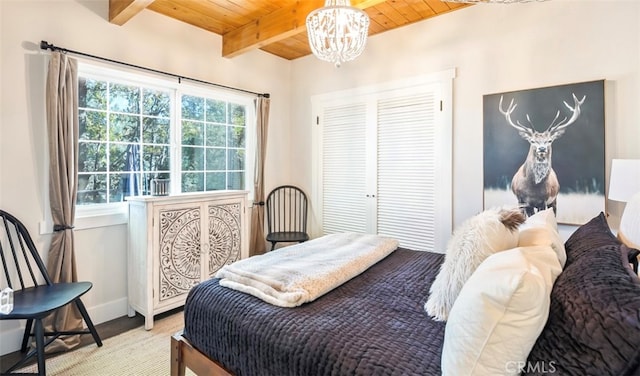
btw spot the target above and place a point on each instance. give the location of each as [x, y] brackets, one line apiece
[275, 26]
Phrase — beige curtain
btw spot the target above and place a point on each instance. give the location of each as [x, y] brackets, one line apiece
[257, 244]
[62, 124]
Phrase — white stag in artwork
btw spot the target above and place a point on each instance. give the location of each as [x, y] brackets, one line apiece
[535, 184]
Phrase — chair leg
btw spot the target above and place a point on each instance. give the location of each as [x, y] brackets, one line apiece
[273, 245]
[39, 334]
[27, 335]
[87, 320]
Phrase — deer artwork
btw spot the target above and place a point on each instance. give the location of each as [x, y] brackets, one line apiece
[535, 184]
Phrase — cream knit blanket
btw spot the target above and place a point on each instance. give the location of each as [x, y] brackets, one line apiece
[297, 274]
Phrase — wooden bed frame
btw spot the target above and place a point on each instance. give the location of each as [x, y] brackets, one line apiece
[184, 355]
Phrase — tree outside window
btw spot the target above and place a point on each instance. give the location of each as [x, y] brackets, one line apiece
[125, 140]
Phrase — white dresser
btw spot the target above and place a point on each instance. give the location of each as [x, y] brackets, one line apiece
[175, 242]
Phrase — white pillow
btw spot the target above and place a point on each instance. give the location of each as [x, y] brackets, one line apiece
[476, 239]
[500, 313]
[542, 229]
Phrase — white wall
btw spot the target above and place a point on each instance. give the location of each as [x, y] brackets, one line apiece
[494, 48]
[148, 39]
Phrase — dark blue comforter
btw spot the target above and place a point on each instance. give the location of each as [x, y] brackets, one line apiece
[374, 324]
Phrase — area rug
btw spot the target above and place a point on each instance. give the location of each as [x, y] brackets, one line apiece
[137, 352]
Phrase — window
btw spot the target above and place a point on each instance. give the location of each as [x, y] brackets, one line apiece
[134, 129]
[213, 144]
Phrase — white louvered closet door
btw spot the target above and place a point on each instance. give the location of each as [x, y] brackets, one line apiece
[344, 165]
[385, 164]
[406, 177]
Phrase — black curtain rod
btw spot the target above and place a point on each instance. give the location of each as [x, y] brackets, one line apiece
[44, 45]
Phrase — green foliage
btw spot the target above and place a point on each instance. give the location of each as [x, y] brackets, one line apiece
[124, 98]
[124, 128]
[92, 94]
[125, 141]
[215, 159]
[216, 135]
[216, 111]
[156, 103]
[92, 157]
[192, 182]
[155, 158]
[192, 107]
[192, 158]
[92, 125]
[156, 130]
[192, 133]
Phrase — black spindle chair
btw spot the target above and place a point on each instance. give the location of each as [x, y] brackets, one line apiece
[35, 295]
[286, 215]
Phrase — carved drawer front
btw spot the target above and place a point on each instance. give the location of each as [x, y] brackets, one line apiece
[180, 251]
[224, 235]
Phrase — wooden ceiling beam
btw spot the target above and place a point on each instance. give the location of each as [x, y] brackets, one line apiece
[121, 11]
[276, 26]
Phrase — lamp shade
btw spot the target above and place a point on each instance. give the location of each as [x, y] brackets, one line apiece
[624, 180]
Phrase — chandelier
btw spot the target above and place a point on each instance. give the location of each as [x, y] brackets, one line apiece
[490, 1]
[337, 32]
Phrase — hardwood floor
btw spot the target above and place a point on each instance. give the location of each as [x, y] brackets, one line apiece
[105, 330]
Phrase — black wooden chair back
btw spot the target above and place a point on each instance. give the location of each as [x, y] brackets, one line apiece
[287, 208]
[35, 295]
[21, 264]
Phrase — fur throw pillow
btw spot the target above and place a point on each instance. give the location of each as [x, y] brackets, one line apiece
[476, 239]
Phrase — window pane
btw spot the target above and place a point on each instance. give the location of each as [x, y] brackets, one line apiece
[216, 181]
[92, 156]
[146, 180]
[92, 93]
[192, 182]
[92, 189]
[92, 125]
[236, 159]
[216, 135]
[192, 133]
[224, 136]
[127, 184]
[236, 137]
[236, 114]
[192, 108]
[235, 180]
[156, 103]
[124, 98]
[124, 128]
[120, 157]
[216, 111]
[116, 188]
[192, 159]
[156, 158]
[155, 130]
[216, 159]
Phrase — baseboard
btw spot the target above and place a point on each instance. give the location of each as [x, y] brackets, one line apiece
[12, 331]
[11, 337]
[108, 311]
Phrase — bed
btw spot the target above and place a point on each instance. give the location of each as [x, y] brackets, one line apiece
[375, 324]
